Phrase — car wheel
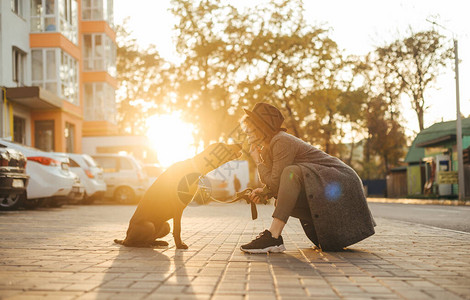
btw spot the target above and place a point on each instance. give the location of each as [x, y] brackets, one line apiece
[124, 195]
[11, 202]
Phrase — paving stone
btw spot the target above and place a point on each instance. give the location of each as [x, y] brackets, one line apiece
[199, 289]
[68, 253]
[175, 289]
[260, 296]
[97, 296]
[127, 296]
[228, 297]
[9, 293]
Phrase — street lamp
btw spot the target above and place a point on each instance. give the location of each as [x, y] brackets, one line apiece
[459, 127]
[460, 168]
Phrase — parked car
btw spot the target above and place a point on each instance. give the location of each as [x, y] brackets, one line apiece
[78, 189]
[219, 188]
[13, 179]
[210, 187]
[90, 175]
[125, 180]
[50, 180]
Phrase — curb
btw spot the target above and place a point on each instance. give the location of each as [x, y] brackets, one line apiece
[420, 201]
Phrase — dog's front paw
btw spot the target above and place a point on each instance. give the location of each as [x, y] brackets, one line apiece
[182, 246]
[159, 243]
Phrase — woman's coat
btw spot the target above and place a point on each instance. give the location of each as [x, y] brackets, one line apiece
[338, 207]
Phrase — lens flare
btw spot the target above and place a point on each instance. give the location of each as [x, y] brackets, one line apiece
[291, 175]
[333, 191]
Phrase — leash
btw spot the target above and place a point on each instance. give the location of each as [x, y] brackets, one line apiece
[245, 195]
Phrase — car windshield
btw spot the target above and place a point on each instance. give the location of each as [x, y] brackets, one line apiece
[136, 163]
[125, 164]
[73, 163]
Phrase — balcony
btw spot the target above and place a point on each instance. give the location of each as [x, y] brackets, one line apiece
[34, 97]
[55, 16]
[98, 10]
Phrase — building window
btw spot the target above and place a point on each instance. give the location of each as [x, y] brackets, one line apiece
[99, 53]
[44, 69]
[55, 16]
[97, 10]
[44, 135]
[69, 78]
[17, 7]
[19, 58]
[99, 102]
[69, 137]
[68, 18]
[19, 130]
[43, 16]
[56, 71]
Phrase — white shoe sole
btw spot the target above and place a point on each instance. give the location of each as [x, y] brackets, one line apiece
[272, 249]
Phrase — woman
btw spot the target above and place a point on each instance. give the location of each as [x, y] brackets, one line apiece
[319, 189]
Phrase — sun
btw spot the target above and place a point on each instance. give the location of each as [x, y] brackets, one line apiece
[171, 138]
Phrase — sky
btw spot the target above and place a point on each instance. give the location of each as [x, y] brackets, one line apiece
[356, 26]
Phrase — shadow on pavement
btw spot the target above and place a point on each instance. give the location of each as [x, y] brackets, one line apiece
[312, 262]
[134, 272]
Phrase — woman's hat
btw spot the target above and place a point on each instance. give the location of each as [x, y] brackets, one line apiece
[266, 115]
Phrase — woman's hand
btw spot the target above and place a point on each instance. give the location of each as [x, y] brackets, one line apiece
[255, 154]
[255, 197]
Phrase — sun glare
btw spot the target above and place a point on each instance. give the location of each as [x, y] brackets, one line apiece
[171, 138]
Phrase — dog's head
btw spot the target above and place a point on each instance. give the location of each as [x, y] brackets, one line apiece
[216, 155]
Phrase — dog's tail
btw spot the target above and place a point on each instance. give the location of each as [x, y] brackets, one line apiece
[120, 242]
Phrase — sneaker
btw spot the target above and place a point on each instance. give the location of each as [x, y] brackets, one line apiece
[264, 243]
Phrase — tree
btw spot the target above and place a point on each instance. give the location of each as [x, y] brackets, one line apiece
[205, 80]
[337, 106]
[386, 136]
[333, 108]
[232, 59]
[143, 78]
[384, 139]
[416, 61]
[293, 66]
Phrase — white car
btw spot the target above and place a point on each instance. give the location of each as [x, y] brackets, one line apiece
[78, 189]
[125, 180]
[212, 187]
[50, 178]
[90, 175]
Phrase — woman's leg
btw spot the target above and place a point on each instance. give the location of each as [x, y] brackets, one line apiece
[290, 188]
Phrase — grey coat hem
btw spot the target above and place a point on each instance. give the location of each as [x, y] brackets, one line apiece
[337, 205]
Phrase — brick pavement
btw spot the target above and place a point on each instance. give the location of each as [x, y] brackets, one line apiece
[68, 253]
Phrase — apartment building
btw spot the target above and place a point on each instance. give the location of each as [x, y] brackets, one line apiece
[57, 74]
